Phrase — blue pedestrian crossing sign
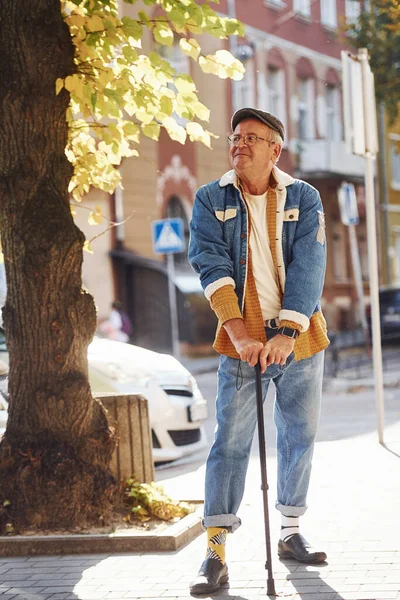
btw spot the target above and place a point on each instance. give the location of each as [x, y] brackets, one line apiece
[168, 236]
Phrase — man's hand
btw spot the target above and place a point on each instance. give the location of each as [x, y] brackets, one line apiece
[248, 348]
[276, 351]
[251, 351]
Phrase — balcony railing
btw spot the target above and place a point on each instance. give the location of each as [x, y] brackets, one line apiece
[328, 157]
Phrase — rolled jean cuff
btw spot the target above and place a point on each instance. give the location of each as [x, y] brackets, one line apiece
[291, 511]
[230, 522]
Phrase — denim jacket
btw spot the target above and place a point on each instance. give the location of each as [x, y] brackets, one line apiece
[218, 248]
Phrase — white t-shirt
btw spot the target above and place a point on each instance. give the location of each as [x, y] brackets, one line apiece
[263, 264]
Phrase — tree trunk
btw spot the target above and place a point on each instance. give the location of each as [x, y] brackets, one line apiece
[55, 453]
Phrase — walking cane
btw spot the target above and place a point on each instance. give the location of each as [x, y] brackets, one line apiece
[264, 480]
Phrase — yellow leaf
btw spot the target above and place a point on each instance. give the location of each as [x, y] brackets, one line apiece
[166, 105]
[225, 58]
[70, 83]
[196, 133]
[143, 116]
[152, 131]
[208, 65]
[59, 85]
[184, 84]
[175, 131]
[202, 112]
[95, 23]
[194, 130]
[190, 47]
[76, 20]
[163, 35]
[87, 247]
[131, 131]
[96, 216]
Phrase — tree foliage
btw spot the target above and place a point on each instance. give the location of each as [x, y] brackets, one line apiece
[119, 91]
[378, 30]
[77, 92]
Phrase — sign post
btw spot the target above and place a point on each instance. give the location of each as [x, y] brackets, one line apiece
[362, 139]
[169, 239]
[349, 215]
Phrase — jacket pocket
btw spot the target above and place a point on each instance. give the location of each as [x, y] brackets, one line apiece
[225, 215]
[292, 214]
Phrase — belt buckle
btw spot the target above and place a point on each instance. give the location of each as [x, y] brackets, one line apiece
[273, 323]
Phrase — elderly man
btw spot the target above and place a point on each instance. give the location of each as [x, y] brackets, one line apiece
[258, 243]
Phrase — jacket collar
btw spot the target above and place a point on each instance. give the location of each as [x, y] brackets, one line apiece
[281, 177]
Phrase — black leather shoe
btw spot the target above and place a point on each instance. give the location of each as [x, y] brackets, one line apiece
[298, 548]
[211, 576]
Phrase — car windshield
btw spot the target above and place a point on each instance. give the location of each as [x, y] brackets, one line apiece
[391, 297]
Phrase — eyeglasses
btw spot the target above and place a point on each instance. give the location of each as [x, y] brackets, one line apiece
[249, 140]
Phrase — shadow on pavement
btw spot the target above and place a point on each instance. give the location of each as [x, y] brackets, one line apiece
[310, 582]
[182, 466]
[39, 578]
[390, 450]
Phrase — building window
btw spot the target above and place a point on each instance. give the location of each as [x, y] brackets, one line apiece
[302, 7]
[276, 100]
[395, 161]
[339, 253]
[328, 13]
[333, 114]
[306, 109]
[353, 11]
[277, 4]
[244, 90]
[174, 210]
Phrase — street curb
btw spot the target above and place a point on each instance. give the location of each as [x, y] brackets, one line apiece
[177, 535]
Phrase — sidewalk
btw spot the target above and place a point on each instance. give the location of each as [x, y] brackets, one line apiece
[353, 514]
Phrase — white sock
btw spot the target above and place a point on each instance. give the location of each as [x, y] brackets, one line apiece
[290, 526]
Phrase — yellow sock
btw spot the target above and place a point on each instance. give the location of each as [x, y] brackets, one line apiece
[216, 543]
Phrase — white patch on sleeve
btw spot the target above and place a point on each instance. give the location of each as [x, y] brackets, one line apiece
[321, 228]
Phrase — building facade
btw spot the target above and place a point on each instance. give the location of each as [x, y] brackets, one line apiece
[390, 201]
[291, 51]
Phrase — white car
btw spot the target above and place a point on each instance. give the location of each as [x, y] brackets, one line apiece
[177, 408]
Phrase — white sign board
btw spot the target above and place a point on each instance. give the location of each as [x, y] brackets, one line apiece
[348, 204]
[359, 108]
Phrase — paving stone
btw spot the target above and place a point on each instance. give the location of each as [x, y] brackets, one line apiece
[125, 585]
[58, 589]
[94, 595]
[302, 575]
[148, 594]
[4, 569]
[22, 583]
[69, 570]
[169, 586]
[385, 587]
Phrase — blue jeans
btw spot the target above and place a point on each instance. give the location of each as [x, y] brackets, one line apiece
[296, 415]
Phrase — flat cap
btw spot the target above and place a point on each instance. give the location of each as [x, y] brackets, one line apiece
[261, 115]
